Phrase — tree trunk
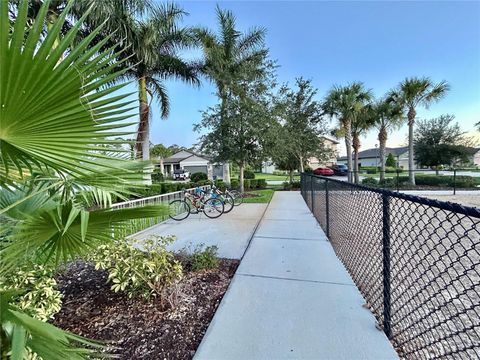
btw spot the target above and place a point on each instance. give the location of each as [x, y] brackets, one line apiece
[356, 148]
[348, 145]
[143, 134]
[382, 139]
[226, 173]
[301, 164]
[161, 166]
[241, 170]
[223, 113]
[291, 176]
[411, 121]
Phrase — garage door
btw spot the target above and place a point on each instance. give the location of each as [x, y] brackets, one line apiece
[195, 169]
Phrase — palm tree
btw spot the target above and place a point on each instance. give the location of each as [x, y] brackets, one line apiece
[228, 55]
[344, 103]
[56, 179]
[411, 93]
[388, 116]
[362, 121]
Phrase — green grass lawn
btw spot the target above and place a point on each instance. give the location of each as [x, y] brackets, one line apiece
[265, 196]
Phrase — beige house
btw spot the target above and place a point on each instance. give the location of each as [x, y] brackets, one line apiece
[330, 143]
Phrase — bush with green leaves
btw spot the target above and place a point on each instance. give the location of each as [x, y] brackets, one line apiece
[370, 182]
[248, 174]
[144, 272]
[234, 183]
[261, 183]
[198, 176]
[390, 162]
[37, 295]
[201, 258]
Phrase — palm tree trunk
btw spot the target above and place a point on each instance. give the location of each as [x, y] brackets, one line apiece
[223, 113]
[143, 135]
[411, 121]
[356, 148]
[382, 139]
[241, 178]
[348, 144]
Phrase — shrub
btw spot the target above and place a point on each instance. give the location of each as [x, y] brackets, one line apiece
[370, 182]
[308, 170]
[465, 181]
[253, 183]
[157, 176]
[246, 184]
[372, 171]
[200, 258]
[390, 162]
[139, 273]
[220, 184]
[39, 296]
[390, 170]
[198, 176]
[388, 182]
[261, 183]
[296, 185]
[234, 183]
[248, 174]
[287, 186]
[461, 181]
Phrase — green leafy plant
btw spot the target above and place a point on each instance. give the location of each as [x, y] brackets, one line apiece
[37, 294]
[198, 176]
[248, 174]
[199, 258]
[147, 272]
[370, 182]
[390, 162]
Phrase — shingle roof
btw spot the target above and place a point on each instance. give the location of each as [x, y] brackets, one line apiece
[176, 158]
[375, 152]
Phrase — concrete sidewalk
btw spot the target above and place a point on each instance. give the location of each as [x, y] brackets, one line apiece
[291, 298]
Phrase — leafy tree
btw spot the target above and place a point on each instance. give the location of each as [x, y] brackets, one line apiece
[410, 94]
[160, 152]
[344, 103]
[300, 117]
[239, 129]
[388, 116]
[439, 142]
[56, 179]
[390, 162]
[227, 56]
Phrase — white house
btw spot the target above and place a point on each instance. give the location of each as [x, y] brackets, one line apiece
[192, 162]
[371, 157]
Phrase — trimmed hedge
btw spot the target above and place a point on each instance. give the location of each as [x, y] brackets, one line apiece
[460, 181]
[234, 183]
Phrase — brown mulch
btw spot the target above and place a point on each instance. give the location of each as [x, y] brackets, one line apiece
[136, 328]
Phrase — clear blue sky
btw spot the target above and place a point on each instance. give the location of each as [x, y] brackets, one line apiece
[378, 43]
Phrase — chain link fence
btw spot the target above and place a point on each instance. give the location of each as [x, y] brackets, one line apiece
[416, 262]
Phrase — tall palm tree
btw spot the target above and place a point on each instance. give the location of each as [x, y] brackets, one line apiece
[411, 93]
[362, 121]
[344, 103]
[228, 55]
[388, 116]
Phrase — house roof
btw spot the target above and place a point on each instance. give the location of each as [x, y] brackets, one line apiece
[182, 155]
[472, 150]
[375, 152]
[331, 139]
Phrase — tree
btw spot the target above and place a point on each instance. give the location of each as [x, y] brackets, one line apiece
[227, 55]
[410, 94]
[239, 129]
[388, 116]
[390, 162]
[439, 142]
[344, 103]
[362, 121]
[56, 179]
[302, 123]
[160, 152]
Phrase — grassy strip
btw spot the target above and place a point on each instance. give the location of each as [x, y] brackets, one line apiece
[264, 196]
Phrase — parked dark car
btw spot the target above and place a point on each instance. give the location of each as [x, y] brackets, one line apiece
[340, 169]
[323, 171]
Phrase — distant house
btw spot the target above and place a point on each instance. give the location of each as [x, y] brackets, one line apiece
[371, 157]
[192, 162]
[473, 156]
[331, 144]
[268, 167]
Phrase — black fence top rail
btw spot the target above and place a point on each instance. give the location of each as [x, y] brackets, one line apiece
[444, 205]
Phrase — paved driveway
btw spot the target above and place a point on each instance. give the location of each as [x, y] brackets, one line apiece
[230, 232]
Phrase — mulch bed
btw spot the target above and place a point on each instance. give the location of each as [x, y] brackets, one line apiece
[136, 328]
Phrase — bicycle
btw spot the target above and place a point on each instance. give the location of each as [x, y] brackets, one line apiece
[226, 197]
[193, 204]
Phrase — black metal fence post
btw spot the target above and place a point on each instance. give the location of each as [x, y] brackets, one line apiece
[327, 209]
[398, 180]
[312, 194]
[386, 266]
